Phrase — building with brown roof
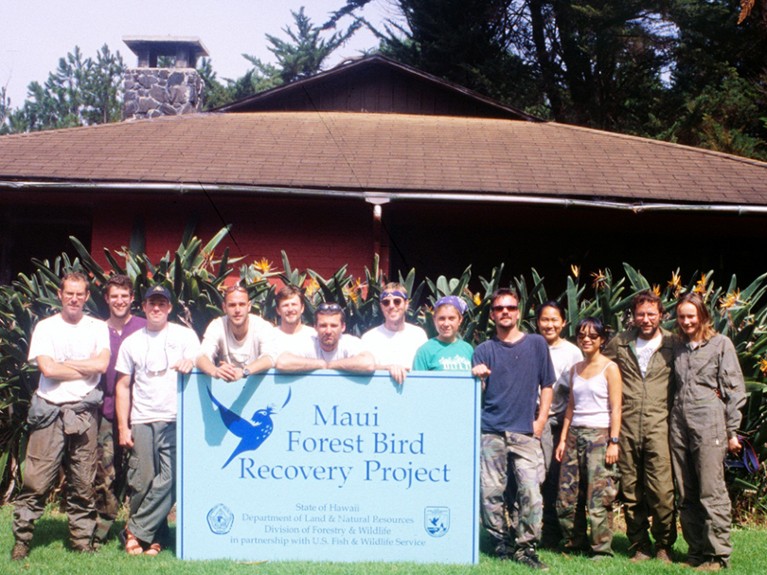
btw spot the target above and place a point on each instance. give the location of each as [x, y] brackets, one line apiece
[375, 157]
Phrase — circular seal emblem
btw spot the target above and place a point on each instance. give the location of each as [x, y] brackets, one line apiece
[220, 519]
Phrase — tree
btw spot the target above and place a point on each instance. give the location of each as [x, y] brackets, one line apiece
[601, 62]
[80, 92]
[300, 56]
[464, 41]
[305, 51]
[5, 110]
[718, 97]
[595, 63]
[684, 70]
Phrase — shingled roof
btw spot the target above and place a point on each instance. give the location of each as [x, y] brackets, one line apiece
[396, 156]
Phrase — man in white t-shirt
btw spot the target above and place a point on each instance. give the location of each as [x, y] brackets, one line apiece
[291, 332]
[146, 417]
[394, 343]
[645, 356]
[331, 348]
[234, 345]
[71, 350]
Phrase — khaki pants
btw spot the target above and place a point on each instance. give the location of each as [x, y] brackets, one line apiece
[151, 478]
[47, 449]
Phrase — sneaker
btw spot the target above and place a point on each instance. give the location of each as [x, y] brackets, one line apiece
[20, 551]
[663, 554]
[528, 556]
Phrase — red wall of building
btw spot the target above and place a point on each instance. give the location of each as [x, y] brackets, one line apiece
[315, 233]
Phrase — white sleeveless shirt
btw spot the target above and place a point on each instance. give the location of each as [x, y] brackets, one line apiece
[592, 408]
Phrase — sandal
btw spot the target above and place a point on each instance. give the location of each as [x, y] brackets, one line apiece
[153, 550]
[132, 545]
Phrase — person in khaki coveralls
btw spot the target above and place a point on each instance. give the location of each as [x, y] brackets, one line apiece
[645, 355]
[704, 423]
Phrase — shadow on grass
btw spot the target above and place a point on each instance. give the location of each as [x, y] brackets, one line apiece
[51, 530]
[620, 545]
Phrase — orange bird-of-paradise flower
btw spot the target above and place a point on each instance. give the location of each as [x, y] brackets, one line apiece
[477, 299]
[700, 285]
[675, 283]
[575, 270]
[351, 294]
[263, 266]
[599, 279]
[312, 287]
[730, 299]
[656, 289]
[762, 364]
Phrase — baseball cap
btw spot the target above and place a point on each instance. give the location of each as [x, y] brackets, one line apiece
[159, 290]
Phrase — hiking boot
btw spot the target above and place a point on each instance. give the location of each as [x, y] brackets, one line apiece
[663, 554]
[20, 551]
[502, 552]
[528, 556]
[711, 565]
[640, 555]
[84, 549]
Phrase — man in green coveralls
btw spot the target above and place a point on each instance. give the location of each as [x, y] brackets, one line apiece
[645, 356]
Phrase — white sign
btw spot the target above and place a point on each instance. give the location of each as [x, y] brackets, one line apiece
[329, 467]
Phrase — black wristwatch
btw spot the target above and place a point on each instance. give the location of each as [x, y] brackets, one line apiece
[615, 440]
[245, 372]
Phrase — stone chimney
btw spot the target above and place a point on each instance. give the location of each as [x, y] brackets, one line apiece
[176, 89]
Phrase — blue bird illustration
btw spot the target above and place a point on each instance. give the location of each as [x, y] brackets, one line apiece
[252, 433]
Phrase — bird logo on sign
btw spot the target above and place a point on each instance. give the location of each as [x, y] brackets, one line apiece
[252, 433]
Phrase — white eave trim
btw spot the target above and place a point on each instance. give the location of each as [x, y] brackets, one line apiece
[379, 197]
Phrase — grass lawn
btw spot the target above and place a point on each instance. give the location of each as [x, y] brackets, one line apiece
[49, 555]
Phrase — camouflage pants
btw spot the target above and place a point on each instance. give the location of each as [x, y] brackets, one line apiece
[552, 534]
[511, 458]
[107, 503]
[586, 483]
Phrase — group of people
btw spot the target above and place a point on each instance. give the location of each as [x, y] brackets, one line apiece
[647, 416]
[564, 428]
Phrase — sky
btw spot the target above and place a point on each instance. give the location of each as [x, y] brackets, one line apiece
[36, 33]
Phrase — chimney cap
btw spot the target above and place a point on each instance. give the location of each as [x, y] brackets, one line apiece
[147, 48]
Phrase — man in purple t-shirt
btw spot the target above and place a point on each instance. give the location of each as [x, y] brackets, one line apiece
[513, 367]
[109, 472]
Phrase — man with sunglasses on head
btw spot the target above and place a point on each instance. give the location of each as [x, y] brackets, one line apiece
[233, 345]
[146, 417]
[513, 367]
[395, 342]
[330, 348]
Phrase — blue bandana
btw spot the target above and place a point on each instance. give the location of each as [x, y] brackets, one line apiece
[454, 301]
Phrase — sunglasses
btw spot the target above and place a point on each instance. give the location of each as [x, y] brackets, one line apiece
[235, 288]
[395, 301]
[590, 336]
[329, 308]
[505, 307]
